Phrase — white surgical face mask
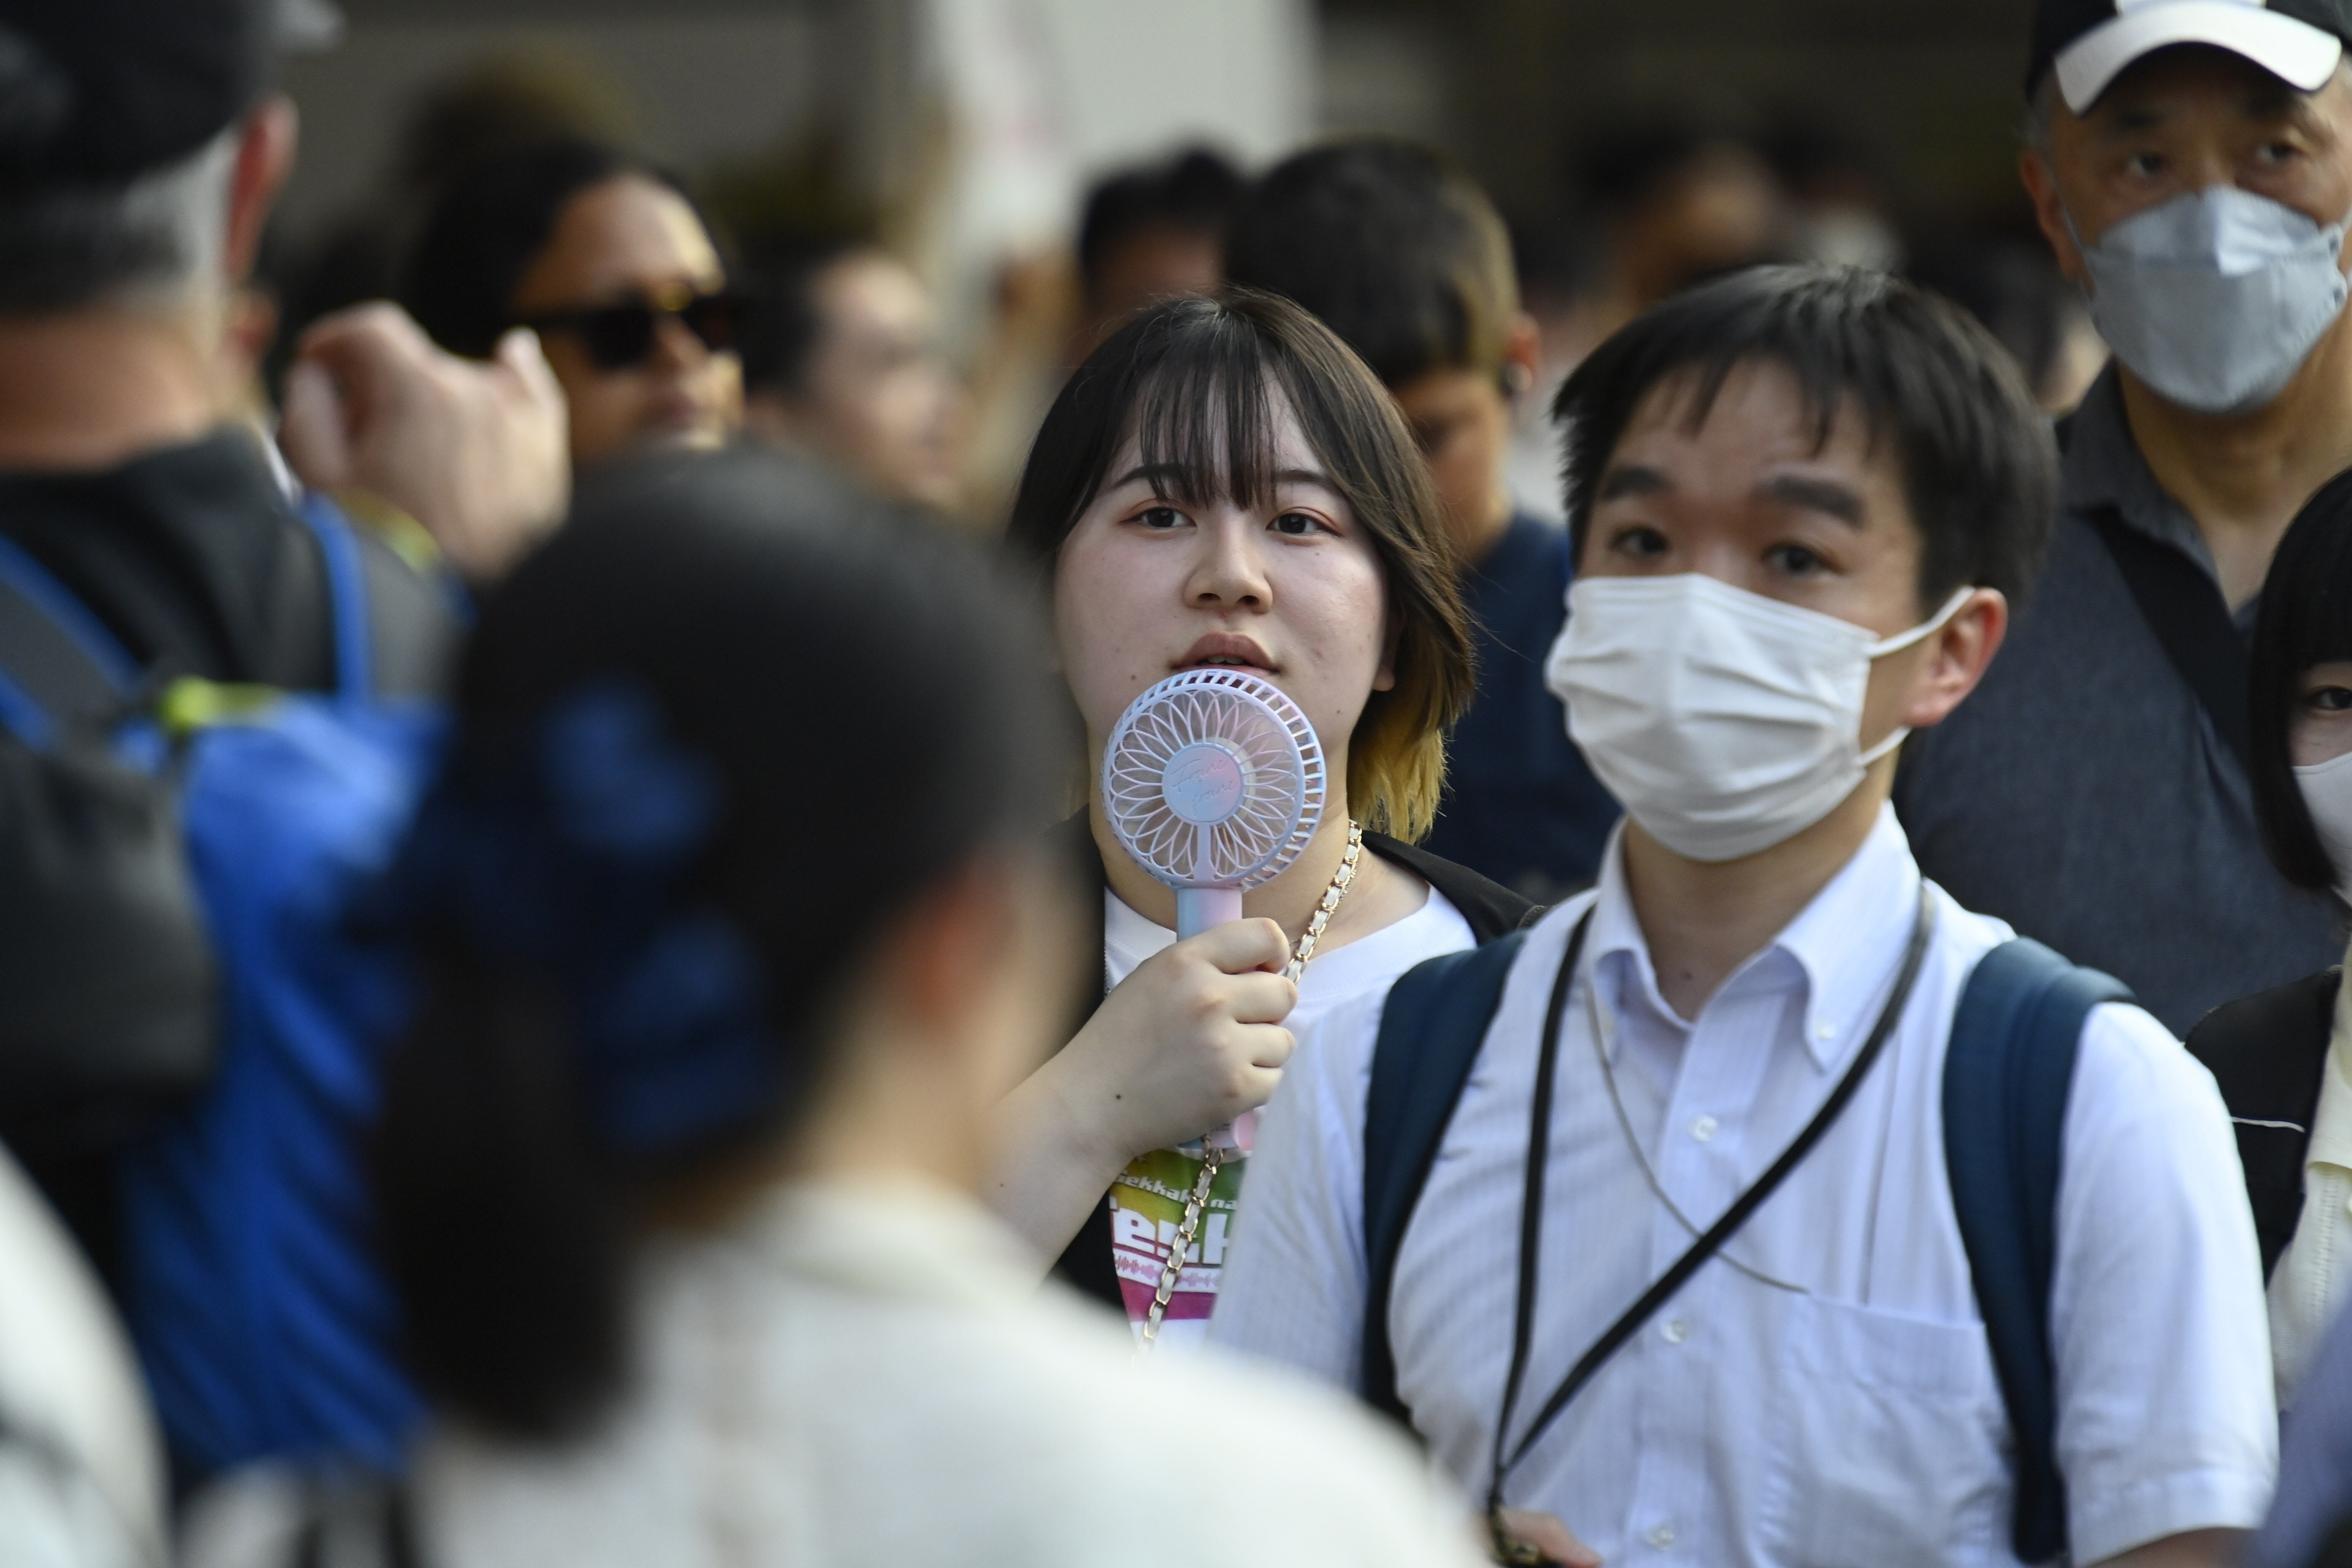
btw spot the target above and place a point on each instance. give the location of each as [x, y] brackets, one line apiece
[2216, 298]
[2328, 795]
[1723, 722]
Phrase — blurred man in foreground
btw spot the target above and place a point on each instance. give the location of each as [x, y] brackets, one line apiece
[149, 547]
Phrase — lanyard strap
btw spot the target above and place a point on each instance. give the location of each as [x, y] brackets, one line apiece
[1706, 1246]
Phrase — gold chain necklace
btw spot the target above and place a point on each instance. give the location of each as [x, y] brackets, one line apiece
[1196, 1203]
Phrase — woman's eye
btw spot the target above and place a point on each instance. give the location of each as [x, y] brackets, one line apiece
[1297, 524]
[2329, 699]
[2144, 165]
[1639, 541]
[1795, 560]
[1160, 517]
[2275, 152]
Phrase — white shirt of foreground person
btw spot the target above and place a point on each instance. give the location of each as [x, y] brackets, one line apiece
[1821, 1395]
[869, 1374]
[81, 1464]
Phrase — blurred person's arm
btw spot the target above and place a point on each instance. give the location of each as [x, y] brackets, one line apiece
[477, 451]
[1189, 1041]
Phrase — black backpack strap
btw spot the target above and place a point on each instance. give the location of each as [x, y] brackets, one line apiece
[1431, 1031]
[2007, 1073]
[1488, 908]
[58, 663]
[2183, 608]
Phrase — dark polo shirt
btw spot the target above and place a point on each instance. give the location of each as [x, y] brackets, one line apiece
[2082, 794]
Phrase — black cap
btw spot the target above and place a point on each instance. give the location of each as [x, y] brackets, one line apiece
[93, 91]
[2089, 42]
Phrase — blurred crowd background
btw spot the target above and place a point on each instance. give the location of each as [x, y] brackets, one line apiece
[1634, 149]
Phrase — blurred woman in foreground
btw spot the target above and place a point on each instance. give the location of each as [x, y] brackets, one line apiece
[737, 919]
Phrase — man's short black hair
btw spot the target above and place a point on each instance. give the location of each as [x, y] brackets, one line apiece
[1195, 191]
[1979, 462]
[786, 325]
[2304, 619]
[1397, 250]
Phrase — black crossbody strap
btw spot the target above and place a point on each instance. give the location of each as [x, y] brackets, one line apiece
[1523, 1317]
[59, 666]
[2183, 608]
[1742, 1209]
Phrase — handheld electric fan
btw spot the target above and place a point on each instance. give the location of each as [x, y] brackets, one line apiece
[1214, 781]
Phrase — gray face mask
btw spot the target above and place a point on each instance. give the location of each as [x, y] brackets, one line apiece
[2216, 298]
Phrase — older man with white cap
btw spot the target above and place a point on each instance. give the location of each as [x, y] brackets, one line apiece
[2191, 162]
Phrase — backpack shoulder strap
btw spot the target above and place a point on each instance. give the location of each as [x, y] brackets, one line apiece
[347, 594]
[1431, 1031]
[2007, 1073]
[57, 660]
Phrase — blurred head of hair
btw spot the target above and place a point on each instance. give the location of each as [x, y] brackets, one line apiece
[788, 321]
[2015, 288]
[2304, 619]
[710, 742]
[490, 224]
[1392, 247]
[1194, 384]
[1931, 387]
[510, 99]
[1679, 204]
[1154, 231]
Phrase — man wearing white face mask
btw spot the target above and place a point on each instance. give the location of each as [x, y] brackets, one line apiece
[1700, 1223]
[2191, 162]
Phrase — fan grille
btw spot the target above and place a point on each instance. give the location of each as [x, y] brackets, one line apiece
[1214, 778]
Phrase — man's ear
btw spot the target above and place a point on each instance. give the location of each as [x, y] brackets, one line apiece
[2050, 213]
[265, 156]
[1956, 657]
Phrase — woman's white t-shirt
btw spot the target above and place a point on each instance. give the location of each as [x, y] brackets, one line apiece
[1146, 1202]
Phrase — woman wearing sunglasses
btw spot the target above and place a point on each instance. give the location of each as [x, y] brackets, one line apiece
[1224, 484]
[609, 262]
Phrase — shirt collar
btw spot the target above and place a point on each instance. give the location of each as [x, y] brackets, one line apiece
[1839, 954]
[2105, 472]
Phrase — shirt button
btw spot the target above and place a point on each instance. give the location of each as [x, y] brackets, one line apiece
[1703, 1129]
[1827, 1032]
[1663, 1537]
[1675, 1331]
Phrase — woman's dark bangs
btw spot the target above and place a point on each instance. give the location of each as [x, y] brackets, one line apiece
[1204, 416]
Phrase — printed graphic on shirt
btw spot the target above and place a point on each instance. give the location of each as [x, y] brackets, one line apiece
[1146, 1207]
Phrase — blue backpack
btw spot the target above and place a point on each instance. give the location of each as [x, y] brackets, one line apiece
[2006, 1075]
[264, 1325]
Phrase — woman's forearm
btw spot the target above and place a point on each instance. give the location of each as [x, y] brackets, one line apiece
[1053, 1163]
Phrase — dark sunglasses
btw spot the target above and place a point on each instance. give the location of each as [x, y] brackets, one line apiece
[619, 336]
